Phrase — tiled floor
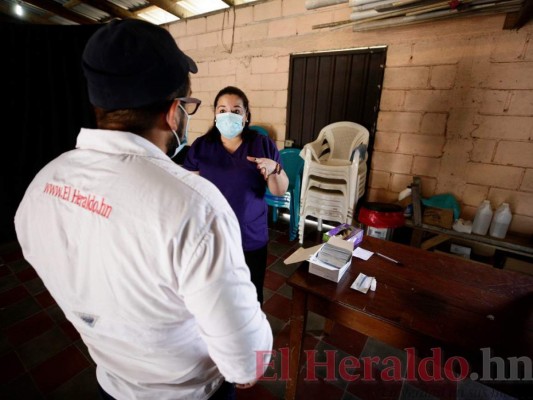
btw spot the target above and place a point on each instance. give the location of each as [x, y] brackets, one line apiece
[42, 356]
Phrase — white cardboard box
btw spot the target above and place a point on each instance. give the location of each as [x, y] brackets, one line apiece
[327, 272]
[323, 270]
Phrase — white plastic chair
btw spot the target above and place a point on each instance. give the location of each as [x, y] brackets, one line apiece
[329, 205]
[334, 162]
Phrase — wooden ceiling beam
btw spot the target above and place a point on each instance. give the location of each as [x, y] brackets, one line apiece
[111, 8]
[171, 7]
[71, 4]
[56, 8]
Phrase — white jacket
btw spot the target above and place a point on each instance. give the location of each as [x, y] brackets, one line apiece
[145, 259]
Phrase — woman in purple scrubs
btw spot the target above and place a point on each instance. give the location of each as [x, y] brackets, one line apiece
[241, 163]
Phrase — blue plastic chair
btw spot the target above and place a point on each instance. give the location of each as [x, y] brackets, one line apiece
[259, 129]
[293, 165]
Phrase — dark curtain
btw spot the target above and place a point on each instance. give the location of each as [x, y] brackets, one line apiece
[45, 105]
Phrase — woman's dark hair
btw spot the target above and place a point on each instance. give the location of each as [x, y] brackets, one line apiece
[213, 131]
[139, 120]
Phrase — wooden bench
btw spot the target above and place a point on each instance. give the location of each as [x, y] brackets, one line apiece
[512, 244]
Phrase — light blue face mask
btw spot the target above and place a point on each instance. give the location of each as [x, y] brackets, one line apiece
[229, 124]
[183, 142]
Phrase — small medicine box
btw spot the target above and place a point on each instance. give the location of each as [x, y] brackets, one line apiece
[346, 232]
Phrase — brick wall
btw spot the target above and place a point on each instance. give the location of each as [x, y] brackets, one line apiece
[456, 107]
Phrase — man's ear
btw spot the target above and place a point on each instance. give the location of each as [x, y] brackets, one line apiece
[172, 121]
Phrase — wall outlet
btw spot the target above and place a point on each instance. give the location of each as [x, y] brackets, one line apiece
[289, 143]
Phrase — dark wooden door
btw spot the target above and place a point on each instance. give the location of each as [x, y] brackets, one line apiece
[333, 86]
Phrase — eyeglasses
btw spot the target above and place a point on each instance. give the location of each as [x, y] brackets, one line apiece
[190, 104]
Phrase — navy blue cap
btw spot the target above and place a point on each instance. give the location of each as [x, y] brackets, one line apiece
[133, 63]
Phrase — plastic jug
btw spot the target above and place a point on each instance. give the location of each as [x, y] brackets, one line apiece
[482, 219]
[500, 222]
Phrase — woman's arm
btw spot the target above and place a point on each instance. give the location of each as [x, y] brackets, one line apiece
[276, 178]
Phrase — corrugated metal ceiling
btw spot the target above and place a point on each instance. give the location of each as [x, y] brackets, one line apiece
[65, 12]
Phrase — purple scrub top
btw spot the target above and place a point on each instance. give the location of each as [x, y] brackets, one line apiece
[238, 179]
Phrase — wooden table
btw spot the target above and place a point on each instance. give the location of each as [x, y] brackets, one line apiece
[433, 299]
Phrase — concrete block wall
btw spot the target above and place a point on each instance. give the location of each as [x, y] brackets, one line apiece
[456, 106]
[457, 110]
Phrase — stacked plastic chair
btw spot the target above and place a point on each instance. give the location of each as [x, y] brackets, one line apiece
[293, 166]
[334, 174]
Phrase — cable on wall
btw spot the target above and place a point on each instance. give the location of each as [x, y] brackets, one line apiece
[228, 49]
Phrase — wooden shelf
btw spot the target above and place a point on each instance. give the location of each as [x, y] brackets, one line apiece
[512, 243]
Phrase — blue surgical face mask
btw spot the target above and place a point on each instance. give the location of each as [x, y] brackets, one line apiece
[229, 124]
[183, 141]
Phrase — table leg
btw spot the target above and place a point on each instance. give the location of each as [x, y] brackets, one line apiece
[500, 258]
[416, 237]
[297, 327]
[329, 324]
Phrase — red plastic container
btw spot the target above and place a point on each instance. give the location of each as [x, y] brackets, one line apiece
[380, 219]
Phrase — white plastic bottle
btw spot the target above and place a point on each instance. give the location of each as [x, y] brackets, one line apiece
[481, 223]
[501, 221]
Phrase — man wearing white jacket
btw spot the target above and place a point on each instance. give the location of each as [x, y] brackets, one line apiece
[143, 256]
